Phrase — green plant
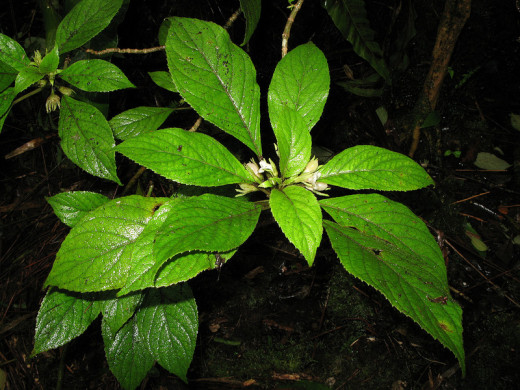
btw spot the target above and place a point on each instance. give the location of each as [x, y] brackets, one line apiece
[350, 18]
[86, 137]
[129, 258]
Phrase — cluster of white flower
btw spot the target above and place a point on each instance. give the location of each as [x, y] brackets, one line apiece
[308, 178]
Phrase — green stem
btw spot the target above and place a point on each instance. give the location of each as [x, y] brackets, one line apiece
[61, 367]
[34, 92]
[264, 204]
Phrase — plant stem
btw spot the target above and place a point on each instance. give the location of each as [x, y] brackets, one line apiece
[125, 51]
[232, 19]
[61, 367]
[29, 94]
[134, 178]
[287, 30]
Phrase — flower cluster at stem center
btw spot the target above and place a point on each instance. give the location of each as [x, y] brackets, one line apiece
[266, 176]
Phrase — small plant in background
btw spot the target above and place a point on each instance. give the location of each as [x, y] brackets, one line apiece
[129, 258]
[350, 18]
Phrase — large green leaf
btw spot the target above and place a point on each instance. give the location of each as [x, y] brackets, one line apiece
[127, 355]
[87, 19]
[376, 215]
[70, 207]
[415, 285]
[163, 80]
[138, 120]
[369, 167]
[294, 142]
[62, 317]
[163, 329]
[118, 310]
[208, 223]
[186, 157]
[168, 321]
[185, 266]
[98, 252]
[147, 272]
[144, 267]
[298, 213]
[86, 138]
[7, 75]
[12, 53]
[350, 17]
[300, 82]
[96, 76]
[252, 10]
[27, 76]
[216, 78]
[6, 98]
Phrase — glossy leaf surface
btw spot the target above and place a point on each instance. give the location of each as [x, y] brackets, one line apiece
[300, 82]
[62, 317]
[208, 223]
[127, 356]
[118, 310]
[70, 207]
[376, 215]
[7, 76]
[98, 252]
[415, 285]
[148, 272]
[27, 76]
[369, 167]
[138, 120]
[168, 321]
[298, 213]
[185, 266]
[95, 76]
[142, 273]
[216, 78]
[186, 157]
[294, 142]
[87, 19]
[163, 329]
[12, 53]
[86, 138]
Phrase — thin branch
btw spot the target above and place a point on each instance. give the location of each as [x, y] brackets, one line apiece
[132, 181]
[125, 51]
[196, 124]
[287, 30]
[29, 94]
[232, 19]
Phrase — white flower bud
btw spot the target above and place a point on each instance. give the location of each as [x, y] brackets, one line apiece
[253, 168]
[246, 188]
[320, 186]
[265, 167]
[312, 166]
[65, 90]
